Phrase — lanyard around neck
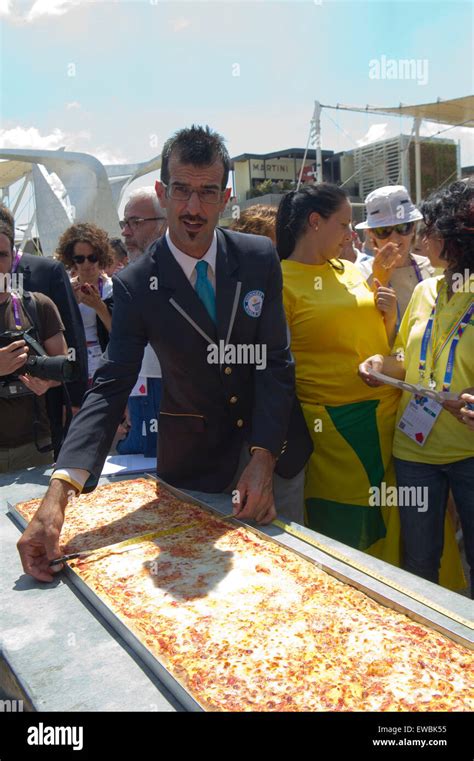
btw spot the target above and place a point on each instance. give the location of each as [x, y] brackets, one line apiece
[16, 260]
[16, 311]
[455, 333]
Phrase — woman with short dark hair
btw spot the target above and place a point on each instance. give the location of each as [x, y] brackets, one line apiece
[433, 446]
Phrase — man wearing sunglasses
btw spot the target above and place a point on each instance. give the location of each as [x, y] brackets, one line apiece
[225, 424]
[391, 226]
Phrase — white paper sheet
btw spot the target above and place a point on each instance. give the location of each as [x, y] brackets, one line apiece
[128, 463]
[438, 396]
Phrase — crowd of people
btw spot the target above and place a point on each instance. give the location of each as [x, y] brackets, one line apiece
[314, 434]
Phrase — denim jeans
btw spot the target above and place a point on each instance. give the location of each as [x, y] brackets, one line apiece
[423, 532]
[143, 410]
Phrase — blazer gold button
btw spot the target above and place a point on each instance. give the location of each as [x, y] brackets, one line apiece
[228, 370]
[240, 423]
[233, 399]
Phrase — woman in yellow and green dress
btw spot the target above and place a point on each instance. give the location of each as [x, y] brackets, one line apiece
[333, 318]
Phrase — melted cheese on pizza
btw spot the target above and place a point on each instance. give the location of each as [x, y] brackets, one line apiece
[246, 625]
[115, 512]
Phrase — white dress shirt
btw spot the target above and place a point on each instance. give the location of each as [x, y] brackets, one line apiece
[188, 263]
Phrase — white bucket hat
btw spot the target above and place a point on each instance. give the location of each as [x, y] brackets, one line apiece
[388, 206]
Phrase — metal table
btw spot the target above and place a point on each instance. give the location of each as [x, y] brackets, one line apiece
[57, 653]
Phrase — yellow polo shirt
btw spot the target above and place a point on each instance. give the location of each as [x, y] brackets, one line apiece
[449, 439]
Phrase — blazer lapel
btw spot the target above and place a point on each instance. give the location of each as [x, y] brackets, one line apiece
[227, 288]
[179, 290]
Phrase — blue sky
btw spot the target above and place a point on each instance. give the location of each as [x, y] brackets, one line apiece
[144, 69]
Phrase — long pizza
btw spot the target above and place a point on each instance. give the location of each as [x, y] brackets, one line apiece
[115, 512]
[246, 625]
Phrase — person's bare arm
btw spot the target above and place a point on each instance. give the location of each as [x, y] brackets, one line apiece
[105, 316]
[255, 489]
[385, 261]
[91, 297]
[40, 541]
[386, 302]
[392, 365]
[12, 357]
[454, 406]
[467, 413]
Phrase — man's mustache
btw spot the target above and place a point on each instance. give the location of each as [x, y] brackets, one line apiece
[193, 219]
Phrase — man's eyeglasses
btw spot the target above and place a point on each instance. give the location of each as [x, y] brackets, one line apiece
[179, 192]
[385, 232]
[134, 222]
[79, 259]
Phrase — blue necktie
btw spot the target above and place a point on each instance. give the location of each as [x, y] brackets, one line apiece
[205, 291]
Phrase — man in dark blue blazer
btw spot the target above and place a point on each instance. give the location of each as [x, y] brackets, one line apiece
[210, 304]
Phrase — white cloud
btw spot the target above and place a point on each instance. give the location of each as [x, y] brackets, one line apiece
[50, 8]
[21, 137]
[107, 156]
[73, 105]
[374, 133]
[5, 7]
[178, 24]
[31, 138]
[29, 11]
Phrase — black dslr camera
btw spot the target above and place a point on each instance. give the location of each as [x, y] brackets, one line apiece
[38, 364]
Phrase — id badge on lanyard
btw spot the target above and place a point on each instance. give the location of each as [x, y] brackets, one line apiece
[421, 413]
[419, 417]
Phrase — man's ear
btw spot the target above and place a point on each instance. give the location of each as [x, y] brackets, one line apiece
[161, 193]
[225, 198]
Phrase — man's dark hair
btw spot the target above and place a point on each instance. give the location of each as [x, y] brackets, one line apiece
[199, 146]
[6, 216]
[7, 230]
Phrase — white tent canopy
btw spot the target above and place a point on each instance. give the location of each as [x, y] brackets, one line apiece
[458, 112]
[94, 190]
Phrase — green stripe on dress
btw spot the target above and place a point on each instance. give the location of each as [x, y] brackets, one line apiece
[355, 525]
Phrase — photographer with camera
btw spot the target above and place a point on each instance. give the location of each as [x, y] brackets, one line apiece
[31, 333]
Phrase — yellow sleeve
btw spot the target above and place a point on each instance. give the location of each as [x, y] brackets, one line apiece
[288, 304]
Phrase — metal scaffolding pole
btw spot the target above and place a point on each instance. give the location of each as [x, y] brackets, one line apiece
[317, 124]
[417, 161]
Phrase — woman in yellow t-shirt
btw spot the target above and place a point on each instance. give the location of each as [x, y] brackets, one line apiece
[334, 318]
[433, 447]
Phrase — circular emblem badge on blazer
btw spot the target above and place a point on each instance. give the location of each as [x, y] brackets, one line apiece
[253, 303]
